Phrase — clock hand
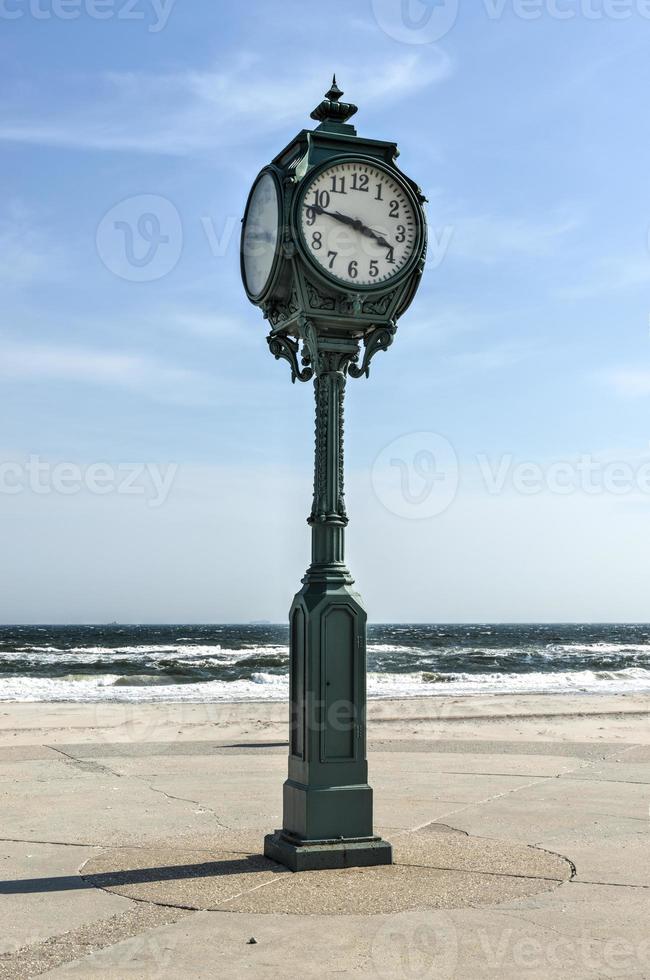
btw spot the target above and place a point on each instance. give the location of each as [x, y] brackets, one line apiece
[353, 222]
[373, 234]
[317, 209]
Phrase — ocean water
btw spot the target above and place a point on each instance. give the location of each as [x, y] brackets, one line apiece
[250, 663]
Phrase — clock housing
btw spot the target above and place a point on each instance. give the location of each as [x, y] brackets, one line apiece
[262, 235]
[301, 290]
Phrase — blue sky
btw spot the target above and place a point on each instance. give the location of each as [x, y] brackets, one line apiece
[526, 125]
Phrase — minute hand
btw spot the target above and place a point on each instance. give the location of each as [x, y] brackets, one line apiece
[353, 222]
[364, 229]
[373, 234]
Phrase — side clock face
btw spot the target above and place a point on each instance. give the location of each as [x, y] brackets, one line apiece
[358, 223]
[259, 243]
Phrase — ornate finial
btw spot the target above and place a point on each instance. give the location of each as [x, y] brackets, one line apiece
[332, 110]
[335, 92]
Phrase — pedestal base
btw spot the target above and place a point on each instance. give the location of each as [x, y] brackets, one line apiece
[326, 854]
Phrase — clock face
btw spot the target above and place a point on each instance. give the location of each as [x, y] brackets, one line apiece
[358, 223]
[260, 234]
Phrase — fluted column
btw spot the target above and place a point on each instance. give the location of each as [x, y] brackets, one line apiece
[328, 518]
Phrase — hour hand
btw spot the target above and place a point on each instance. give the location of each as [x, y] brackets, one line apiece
[374, 234]
[347, 220]
[337, 215]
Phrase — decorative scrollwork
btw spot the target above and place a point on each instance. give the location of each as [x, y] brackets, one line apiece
[278, 312]
[284, 347]
[380, 306]
[326, 355]
[317, 300]
[309, 337]
[378, 339]
[350, 304]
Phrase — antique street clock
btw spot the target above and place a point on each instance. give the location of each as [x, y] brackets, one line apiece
[333, 249]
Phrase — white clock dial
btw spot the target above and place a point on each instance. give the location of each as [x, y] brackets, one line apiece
[260, 234]
[358, 223]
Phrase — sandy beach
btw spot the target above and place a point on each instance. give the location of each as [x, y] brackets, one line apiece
[520, 827]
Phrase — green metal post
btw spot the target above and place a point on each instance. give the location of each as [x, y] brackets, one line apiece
[327, 800]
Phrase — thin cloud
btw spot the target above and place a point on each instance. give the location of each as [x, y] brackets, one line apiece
[208, 326]
[491, 358]
[632, 382]
[186, 112]
[78, 365]
[610, 276]
[444, 324]
[491, 238]
[27, 253]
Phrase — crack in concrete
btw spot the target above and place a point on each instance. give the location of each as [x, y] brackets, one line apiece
[247, 891]
[436, 823]
[85, 765]
[488, 799]
[95, 767]
[185, 799]
[53, 843]
[516, 789]
[534, 782]
[545, 928]
[601, 836]
[606, 884]
[472, 871]
[465, 772]
[603, 779]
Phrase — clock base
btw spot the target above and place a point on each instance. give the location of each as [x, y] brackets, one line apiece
[322, 855]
